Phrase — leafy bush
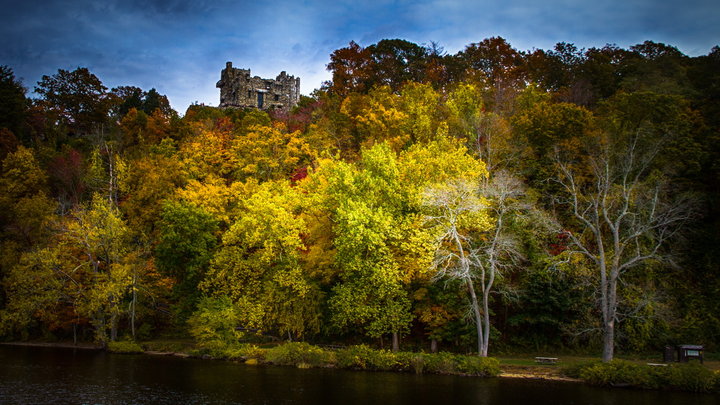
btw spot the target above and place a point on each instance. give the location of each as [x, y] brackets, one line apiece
[409, 361]
[686, 377]
[574, 370]
[213, 324]
[441, 363]
[480, 366]
[691, 377]
[620, 372]
[144, 332]
[125, 347]
[248, 352]
[364, 358]
[298, 354]
[168, 346]
[235, 351]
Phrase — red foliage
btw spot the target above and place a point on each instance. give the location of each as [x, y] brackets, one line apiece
[66, 174]
[299, 174]
[561, 244]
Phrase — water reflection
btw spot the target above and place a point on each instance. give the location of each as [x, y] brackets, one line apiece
[31, 375]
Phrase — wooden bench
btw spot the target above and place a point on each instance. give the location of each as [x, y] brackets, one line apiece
[546, 360]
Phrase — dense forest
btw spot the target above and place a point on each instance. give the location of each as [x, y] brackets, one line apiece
[485, 200]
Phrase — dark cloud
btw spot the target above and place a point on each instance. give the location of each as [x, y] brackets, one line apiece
[179, 46]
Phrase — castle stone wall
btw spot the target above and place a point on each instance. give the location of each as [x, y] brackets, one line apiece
[239, 89]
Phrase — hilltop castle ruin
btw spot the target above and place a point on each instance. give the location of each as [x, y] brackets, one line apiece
[239, 89]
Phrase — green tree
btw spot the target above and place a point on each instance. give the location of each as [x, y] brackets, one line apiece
[78, 98]
[396, 62]
[625, 215]
[186, 244]
[13, 104]
[366, 203]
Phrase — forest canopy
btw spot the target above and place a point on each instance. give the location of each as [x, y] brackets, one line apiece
[492, 198]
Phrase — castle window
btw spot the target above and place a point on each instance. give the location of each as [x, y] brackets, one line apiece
[277, 97]
[250, 94]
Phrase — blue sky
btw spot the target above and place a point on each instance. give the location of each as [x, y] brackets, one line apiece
[179, 46]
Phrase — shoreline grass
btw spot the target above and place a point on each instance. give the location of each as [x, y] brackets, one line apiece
[631, 372]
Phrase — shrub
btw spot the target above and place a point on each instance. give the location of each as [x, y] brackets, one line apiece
[691, 377]
[619, 372]
[364, 358]
[409, 361]
[248, 352]
[125, 347]
[686, 377]
[168, 346]
[441, 363]
[298, 354]
[480, 366]
[238, 352]
[144, 332]
[213, 324]
[574, 370]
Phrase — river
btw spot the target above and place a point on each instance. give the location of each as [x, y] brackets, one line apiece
[39, 375]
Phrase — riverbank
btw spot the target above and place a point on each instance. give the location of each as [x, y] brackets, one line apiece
[535, 373]
[64, 345]
[620, 373]
[37, 375]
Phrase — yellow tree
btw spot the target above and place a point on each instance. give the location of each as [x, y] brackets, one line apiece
[87, 266]
[207, 150]
[101, 239]
[378, 117]
[258, 264]
[24, 204]
[421, 105]
[270, 152]
[150, 180]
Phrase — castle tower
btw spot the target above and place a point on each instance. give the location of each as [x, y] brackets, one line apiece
[241, 90]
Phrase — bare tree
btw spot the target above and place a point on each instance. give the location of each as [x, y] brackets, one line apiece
[624, 214]
[474, 244]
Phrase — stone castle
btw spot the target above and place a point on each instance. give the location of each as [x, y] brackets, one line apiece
[239, 89]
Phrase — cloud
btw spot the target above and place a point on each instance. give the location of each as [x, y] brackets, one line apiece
[179, 46]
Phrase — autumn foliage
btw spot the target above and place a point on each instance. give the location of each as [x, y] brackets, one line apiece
[412, 198]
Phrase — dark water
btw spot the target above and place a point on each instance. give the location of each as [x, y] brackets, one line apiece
[33, 375]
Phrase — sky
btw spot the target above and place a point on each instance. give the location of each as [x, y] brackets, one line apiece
[179, 47]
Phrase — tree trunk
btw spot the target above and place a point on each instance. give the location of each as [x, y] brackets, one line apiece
[609, 318]
[100, 329]
[476, 314]
[395, 342]
[433, 345]
[608, 341]
[486, 325]
[134, 304]
[113, 328]
[486, 316]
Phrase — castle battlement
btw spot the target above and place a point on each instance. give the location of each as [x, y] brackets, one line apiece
[239, 89]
